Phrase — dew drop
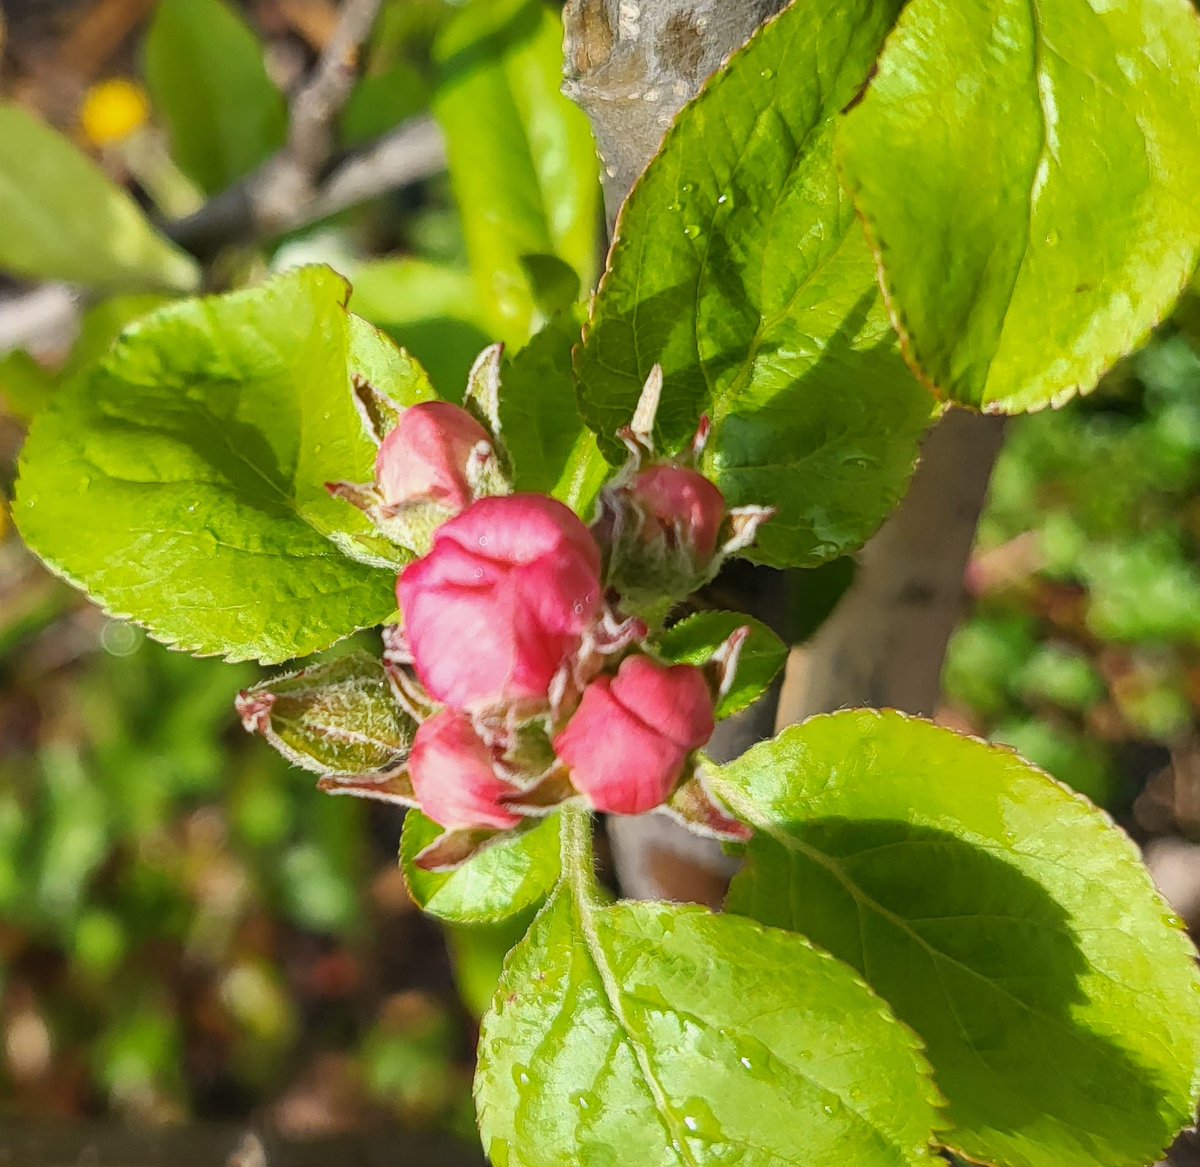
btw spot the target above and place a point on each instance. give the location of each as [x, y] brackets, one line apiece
[676, 207]
[578, 609]
[690, 1123]
[688, 187]
[483, 540]
[479, 573]
[1051, 237]
[747, 1063]
[722, 200]
[767, 74]
[692, 231]
[827, 1108]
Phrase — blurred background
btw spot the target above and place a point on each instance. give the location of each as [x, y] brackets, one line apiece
[189, 932]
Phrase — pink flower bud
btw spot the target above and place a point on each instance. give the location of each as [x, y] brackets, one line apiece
[501, 601]
[628, 741]
[453, 778]
[686, 506]
[426, 457]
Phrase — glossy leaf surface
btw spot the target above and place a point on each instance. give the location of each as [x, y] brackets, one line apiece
[740, 267]
[1000, 915]
[182, 483]
[1028, 173]
[501, 881]
[684, 1038]
[695, 639]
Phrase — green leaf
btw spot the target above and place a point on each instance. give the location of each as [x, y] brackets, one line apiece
[679, 1038]
[521, 157]
[102, 324]
[204, 69]
[26, 386]
[694, 640]
[61, 218]
[583, 477]
[381, 101]
[1028, 173]
[431, 309]
[338, 717]
[478, 952]
[1001, 916]
[740, 267]
[539, 415]
[374, 358]
[182, 483]
[502, 880]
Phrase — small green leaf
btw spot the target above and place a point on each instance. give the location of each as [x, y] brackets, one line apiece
[1028, 172]
[694, 640]
[26, 386]
[102, 324]
[680, 1038]
[583, 477]
[478, 952]
[182, 483]
[1000, 915]
[740, 267]
[553, 283]
[381, 101]
[204, 69]
[338, 718]
[521, 156]
[429, 308]
[504, 879]
[61, 218]
[374, 358]
[539, 415]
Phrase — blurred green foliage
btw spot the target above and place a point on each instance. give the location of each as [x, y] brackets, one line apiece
[1085, 639]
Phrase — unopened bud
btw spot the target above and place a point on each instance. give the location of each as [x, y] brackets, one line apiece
[454, 777]
[501, 602]
[429, 457]
[628, 742]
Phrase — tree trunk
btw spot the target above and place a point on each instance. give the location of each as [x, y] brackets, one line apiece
[632, 66]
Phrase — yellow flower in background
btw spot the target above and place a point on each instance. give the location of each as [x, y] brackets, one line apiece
[112, 110]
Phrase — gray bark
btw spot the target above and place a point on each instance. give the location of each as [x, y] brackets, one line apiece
[885, 642]
[631, 65]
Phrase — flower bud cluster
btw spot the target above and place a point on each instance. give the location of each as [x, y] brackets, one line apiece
[523, 652]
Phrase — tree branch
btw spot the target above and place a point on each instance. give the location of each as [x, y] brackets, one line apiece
[280, 195]
[316, 107]
[633, 65]
[269, 203]
[885, 642]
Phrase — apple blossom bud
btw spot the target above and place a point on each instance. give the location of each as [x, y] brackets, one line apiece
[427, 458]
[453, 778]
[682, 506]
[501, 602]
[627, 744]
[660, 526]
